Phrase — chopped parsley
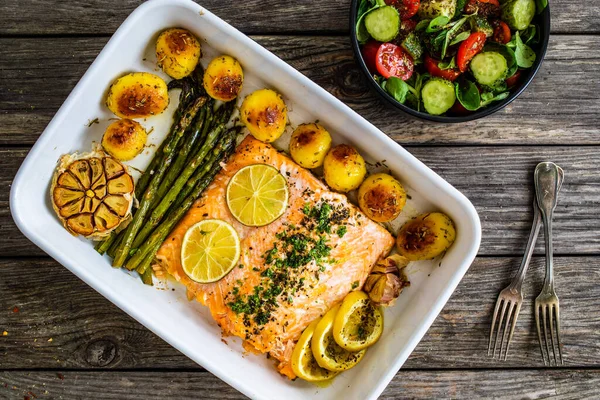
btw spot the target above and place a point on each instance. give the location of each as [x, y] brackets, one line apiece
[354, 285]
[342, 231]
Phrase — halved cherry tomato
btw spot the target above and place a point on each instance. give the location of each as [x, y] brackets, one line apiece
[431, 65]
[369, 54]
[391, 60]
[406, 8]
[501, 32]
[513, 80]
[468, 49]
[485, 8]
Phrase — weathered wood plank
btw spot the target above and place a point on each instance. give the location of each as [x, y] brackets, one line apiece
[562, 105]
[506, 384]
[87, 331]
[253, 16]
[498, 181]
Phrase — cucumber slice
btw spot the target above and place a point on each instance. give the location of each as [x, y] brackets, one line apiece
[518, 14]
[489, 68]
[438, 96]
[383, 23]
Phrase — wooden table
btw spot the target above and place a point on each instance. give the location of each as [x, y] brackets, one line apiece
[64, 340]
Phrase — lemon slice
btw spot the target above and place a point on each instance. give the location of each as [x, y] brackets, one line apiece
[257, 195]
[304, 363]
[210, 249]
[358, 324]
[327, 352]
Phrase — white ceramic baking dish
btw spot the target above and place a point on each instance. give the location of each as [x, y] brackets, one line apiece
[187, 325]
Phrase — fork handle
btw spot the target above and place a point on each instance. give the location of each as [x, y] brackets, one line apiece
[517, 281]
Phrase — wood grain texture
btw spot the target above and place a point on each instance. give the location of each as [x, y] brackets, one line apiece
[561, 106]
[497, 180]
[568, 384]
[104, 17]
[87, 331]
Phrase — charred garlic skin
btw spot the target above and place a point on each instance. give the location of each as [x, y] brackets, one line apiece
[387, 280]
[92, 194]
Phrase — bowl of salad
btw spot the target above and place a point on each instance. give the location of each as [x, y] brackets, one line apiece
[450, 60]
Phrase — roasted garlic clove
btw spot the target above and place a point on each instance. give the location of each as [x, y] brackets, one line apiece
[387, 279]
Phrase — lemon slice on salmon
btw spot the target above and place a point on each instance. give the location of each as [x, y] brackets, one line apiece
[327, 352]
[257, 195]
[210, 249]
[304, 364]
[358, 324]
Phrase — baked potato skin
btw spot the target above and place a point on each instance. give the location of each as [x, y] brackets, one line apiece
[124, 139]
[138, 95]
[309, 145]
[344, 168]
[223, 78]
[381, 197]
[426, 236]
[177, 52]
[264, 113]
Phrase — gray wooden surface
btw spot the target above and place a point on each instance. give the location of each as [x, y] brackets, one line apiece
[64, 340]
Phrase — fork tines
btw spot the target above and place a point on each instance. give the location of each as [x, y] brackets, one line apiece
[507, 300]
[549, 315]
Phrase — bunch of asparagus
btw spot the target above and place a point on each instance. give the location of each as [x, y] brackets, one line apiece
[182, 167]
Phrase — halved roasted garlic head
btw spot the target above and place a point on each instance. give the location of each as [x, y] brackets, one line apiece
[92, 194]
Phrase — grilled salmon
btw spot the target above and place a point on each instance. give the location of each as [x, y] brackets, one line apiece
[291, 271]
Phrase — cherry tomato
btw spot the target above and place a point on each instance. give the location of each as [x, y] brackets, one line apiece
[391, 60]
[369, 54]
[468, 49]
[431, 65]
[501, 32]
[406, 8]
[485, 8]
[459, 109]
[513, 80]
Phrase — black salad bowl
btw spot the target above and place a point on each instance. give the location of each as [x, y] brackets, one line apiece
[543, 22]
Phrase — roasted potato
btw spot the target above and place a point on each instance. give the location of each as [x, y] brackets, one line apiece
[309, 145]
[344, 168]
[264, 113]
[223, 78]
[177, 52]
[124, 139]
[138, 95]
[426, 236]
[381, 197]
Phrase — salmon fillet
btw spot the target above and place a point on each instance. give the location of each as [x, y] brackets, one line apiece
[291, 271]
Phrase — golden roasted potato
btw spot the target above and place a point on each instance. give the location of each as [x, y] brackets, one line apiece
[344, 168]
[124, 139]
[223, 78]
[381, 197]
[138, 95]
[177, 52]
[426, 236]
[309, 145]
[264, 113]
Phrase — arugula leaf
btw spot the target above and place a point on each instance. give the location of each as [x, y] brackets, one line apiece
[531, 35]
[468, 94]
[447, 65]
[437, 24]
[524, 55]
[460, 6]
[489, 97]
[460, 37]
[422, 24]
[540, 5]
[450, 33]
[397, 88]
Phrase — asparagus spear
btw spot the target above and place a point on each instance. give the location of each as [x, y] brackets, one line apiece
[184, 151]
[165, 227]
[224, 146]
[147, 276]
[103, 246]
[112, 250]
[146, 200]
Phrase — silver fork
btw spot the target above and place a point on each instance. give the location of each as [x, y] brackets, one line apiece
[547, 184]
[512, 295]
